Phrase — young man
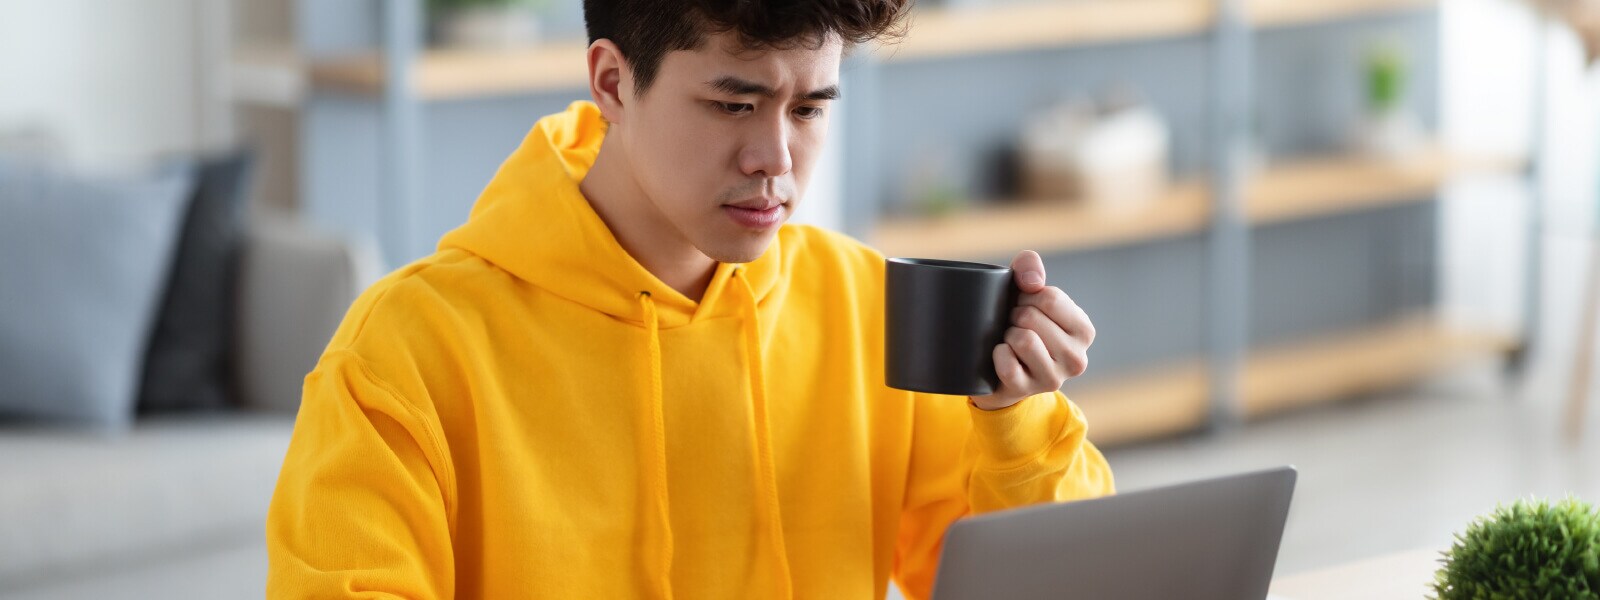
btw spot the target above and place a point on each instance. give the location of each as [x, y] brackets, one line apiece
[623, 377]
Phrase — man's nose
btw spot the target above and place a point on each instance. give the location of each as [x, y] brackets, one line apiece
[766, 153]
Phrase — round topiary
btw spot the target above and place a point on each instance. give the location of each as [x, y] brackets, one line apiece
[1530, 550]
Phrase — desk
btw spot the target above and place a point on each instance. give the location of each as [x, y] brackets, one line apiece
[1401, 576]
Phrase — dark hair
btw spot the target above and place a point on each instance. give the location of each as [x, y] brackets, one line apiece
[646, 30]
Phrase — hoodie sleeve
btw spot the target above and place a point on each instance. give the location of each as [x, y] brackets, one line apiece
[1030, 452]
[363, 501]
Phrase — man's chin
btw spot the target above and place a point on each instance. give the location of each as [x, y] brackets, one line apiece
[743, 250]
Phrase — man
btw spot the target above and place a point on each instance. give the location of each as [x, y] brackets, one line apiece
[623, 377]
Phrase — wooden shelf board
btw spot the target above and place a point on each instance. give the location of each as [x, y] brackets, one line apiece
[1044, 225]
[266, 73]
[1321, 186]
[960, 32]
[1174, 399]
[1145, 404]
[1287, 376]
[447, 74]
[1276, 13]
[1299, 190]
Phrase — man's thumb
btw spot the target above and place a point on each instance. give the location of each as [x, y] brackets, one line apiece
[1028, 269]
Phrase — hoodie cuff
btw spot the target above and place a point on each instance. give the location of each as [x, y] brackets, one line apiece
[1018, 433]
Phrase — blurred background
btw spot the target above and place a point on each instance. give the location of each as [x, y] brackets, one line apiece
[1351, 235]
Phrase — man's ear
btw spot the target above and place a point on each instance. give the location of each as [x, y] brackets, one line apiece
[607, 72]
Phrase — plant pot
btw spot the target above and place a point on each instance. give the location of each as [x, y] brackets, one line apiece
[489, 27]
[1390, 134]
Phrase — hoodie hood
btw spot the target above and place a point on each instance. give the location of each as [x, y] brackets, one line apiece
[533, 221]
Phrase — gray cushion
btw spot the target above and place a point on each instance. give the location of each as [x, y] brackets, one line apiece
[189, 362]
[84, 262]
[73, 503]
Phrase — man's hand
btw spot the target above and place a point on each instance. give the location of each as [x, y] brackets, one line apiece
[1047, 344]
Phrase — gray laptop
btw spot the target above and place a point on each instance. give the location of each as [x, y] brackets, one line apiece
[1215, 539]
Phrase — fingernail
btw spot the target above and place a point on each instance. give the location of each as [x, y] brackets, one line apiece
[1031, 278]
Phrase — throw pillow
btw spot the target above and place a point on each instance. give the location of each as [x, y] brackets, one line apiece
[83, 262]
[188, 363]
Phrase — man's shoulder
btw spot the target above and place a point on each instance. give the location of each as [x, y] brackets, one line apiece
[407, 304]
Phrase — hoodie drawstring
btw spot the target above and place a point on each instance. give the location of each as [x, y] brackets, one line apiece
[760, 423]
[655, 465]
[761, 431]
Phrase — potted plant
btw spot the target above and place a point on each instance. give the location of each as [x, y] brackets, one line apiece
[1389, 130]
[485, 24]
[1530, 550]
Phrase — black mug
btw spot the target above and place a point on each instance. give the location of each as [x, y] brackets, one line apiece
[943, 319]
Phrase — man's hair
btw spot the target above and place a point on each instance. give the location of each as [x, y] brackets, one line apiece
[646, 30]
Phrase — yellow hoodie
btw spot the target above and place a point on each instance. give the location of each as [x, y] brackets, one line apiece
[529, 413]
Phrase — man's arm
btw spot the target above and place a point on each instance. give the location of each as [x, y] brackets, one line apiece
[363, 503]
[965, 461]
[1023, 444]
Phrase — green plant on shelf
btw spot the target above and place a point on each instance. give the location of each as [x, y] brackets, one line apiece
[939, 201]
[1532, 549]
[1386, 78]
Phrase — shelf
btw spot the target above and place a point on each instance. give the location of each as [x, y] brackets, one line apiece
[1174, 399]
[1039, 224]
[268, 74]
[933, 33]
[1322, 186]
[1278, 13]
[1144, 405]
[454, 74]
[1286, 376]
[959, 32]
[1296, 190]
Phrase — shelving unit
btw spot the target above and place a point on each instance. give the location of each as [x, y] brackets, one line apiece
[1216, 211]
[935, 33]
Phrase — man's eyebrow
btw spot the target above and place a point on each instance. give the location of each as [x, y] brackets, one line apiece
[828, 93]
[735, 86]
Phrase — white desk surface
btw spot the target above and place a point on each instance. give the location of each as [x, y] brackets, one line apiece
[1400, 576]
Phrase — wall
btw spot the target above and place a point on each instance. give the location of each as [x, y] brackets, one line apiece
[117, 81]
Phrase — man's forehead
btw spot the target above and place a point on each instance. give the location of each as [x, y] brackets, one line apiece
[725, 62]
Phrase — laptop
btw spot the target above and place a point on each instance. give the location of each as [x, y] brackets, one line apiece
[1214, 539]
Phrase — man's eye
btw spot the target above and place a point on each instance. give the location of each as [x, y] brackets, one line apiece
[809, 112]
[735, 108]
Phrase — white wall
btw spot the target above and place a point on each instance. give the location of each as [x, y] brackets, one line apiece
[117, 80]
[1489, 53]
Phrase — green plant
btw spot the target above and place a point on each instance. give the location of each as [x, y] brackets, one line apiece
[940, 201]
[1530, 550]
[1386, 75]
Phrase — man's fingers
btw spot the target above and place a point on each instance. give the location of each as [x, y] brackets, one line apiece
[1008, 368]
[1056, 340]
[1055, 304]
[1035, 358]
[1028, 270]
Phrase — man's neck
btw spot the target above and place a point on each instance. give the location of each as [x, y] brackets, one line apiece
[642, 230]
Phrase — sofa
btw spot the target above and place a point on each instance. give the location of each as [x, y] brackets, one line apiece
[175, 505]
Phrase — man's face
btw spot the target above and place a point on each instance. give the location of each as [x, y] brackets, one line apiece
[724, 140]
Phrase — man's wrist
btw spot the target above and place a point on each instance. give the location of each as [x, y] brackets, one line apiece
[992, 403]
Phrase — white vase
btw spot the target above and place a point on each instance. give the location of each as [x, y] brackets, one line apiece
[1390, 134]
[490, 27]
